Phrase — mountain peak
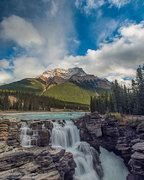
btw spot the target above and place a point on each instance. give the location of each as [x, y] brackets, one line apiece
[64, 73]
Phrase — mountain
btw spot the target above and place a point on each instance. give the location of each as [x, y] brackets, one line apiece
[71, 85]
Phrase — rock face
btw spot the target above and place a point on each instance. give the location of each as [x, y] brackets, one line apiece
[137, 160]
[9, 132]
[37, 163]
[63, 73]
[126, 140]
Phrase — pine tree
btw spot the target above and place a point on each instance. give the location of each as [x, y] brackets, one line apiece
[140, 88]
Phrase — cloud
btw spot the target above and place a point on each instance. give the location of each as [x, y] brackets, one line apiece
[115, 60]
[23, 67]
[54, 8]
[121, 56]
[104, 29]
[27, 67]
[48, 41]
[20, 31]
[4, 64]
[88, 5]
[41, 40]
[5, 77]
[119, 3]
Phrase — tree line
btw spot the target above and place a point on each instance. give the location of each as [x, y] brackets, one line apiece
[14, 100]
[122, 99]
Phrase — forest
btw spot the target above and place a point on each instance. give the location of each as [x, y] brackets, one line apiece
[122, 99]
[14, 100]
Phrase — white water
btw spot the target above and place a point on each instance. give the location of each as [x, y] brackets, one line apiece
[66, 136]
[113, 166]
[28, 136]
[24, 135]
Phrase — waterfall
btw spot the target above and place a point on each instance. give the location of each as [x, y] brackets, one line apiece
[66, 135]
[113, 166]
[25, 135]
[28, 137]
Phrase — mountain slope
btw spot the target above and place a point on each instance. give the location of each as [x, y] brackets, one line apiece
[26, 85]
[71, 92]
[72, 85]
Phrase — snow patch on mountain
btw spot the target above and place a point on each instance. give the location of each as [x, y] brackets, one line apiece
[64, 73]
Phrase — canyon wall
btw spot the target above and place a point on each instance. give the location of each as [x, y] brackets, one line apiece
[126, 140]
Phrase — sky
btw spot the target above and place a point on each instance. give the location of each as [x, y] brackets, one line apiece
[104, 37]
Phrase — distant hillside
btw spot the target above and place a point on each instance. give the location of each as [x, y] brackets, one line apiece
[26, 85]
[72, 85]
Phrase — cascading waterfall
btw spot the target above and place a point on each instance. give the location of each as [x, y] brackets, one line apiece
[25, 135]
[66, 135]
[28, 136]
[113, 166]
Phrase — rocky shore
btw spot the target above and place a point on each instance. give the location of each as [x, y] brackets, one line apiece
[40, 162]
[126, 140]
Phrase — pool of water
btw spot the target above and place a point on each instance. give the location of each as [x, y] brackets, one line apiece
[61, 115]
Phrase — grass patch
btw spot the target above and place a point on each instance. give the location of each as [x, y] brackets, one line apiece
[128, 119]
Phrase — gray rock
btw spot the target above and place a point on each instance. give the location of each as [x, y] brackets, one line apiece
[138, 147]
[37, 163]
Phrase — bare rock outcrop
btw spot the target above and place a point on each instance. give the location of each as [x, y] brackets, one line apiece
[9, 132]
[36, 163]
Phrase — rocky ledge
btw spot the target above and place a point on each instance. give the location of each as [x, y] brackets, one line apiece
[36, 163]
[126, 140]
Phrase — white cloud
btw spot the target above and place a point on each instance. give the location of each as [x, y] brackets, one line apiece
[116, 60]
[88, 5]
[4, 64]
[43, 40]
[54, 8]
[112, 60]
[5, 77]
[119, 3]
[120, 78]
[26, 67]
[20, 31]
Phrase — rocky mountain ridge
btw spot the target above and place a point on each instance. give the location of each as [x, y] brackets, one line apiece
[74, 75]
[63, 73]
